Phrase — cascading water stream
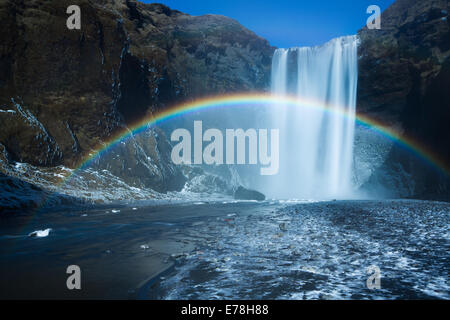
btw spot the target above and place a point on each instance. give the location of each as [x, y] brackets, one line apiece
[316, 147]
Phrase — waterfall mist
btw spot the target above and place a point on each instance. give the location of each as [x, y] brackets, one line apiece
[316, 147]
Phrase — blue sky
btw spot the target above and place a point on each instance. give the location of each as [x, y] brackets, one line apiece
[288, 23]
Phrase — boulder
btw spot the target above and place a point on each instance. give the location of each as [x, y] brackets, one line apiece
[242, 193]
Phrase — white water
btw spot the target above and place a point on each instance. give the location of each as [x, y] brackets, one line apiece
[316, 148]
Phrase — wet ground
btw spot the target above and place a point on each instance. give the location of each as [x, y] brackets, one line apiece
[232, 250]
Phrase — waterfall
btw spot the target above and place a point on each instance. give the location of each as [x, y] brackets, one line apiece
[316, 147]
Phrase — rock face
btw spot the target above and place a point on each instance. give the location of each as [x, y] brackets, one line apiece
[65, 92]
[63, 85]
[404, 78]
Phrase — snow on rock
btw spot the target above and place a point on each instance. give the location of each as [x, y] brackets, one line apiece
[40, 233]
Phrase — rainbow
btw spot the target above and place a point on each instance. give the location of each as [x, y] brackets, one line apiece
[258, 99]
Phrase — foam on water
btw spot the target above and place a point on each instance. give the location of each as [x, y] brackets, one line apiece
[323, 254]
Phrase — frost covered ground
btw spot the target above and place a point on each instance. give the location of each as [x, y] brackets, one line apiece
[26, 186]
[319, 251]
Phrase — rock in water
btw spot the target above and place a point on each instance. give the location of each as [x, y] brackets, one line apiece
[242, 193]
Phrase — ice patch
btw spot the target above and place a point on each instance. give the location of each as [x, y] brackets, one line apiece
[40, 233]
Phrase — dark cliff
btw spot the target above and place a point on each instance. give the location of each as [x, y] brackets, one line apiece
[64, 92]
[404, 81]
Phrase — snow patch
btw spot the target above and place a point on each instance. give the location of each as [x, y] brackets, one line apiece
[40, 233]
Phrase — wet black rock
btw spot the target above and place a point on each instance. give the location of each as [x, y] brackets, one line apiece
[242, 193]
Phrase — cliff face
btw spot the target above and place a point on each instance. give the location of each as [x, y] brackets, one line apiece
[63, 92]
[404, 81]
